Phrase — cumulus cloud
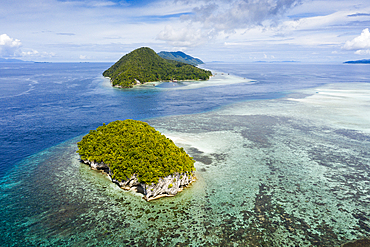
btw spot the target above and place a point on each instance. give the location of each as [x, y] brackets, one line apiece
[359, 43]
[362, 52]
[183, 37]
[30, 53]
[34, 53]
[222, 17]
[227, 15]
[9, 46]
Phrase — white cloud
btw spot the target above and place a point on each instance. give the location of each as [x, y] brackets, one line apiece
[9, 46]
[183, 37]
[221, 18]
[102, 3]
[103, 30]
[227, 15]
[34, 53]
[237, 44]
[82, 57]
[315, 22]
[359, 43]
[30, 53]
[362, 52]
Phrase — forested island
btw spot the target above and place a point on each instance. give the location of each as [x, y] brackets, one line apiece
[363, 61]
[136, 156]
[144, 65]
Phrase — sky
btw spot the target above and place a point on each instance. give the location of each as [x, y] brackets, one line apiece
[313, 31]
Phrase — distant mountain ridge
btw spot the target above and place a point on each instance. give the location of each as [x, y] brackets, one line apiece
[359, 61]
[179, 56]
[145, 65]
[12, 60]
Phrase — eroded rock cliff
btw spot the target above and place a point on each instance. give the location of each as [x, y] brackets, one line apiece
[166, 186]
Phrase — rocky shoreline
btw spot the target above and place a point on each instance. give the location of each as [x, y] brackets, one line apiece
[166, 186]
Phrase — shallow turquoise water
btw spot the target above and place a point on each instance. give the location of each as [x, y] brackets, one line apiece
[263, 179]
[292, 171]
[279, 179]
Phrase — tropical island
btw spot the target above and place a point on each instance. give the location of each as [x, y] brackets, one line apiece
[137, 157]
[363, 61]
[144, 65]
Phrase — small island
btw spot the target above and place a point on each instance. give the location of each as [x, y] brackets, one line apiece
[137, 157]
[144, 65]
[363, 61]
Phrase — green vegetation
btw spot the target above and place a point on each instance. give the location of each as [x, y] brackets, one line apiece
[134, 147]
[180, 57]
[144, 65]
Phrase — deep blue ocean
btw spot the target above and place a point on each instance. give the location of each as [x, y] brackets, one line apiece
[43, 104]
[49, 199]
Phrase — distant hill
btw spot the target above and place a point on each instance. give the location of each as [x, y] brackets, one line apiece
[12, 60]
[179, 56]
[144, 65]
[359, 61]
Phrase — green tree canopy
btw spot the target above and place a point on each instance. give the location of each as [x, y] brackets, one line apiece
[145, 65]
[134, 147]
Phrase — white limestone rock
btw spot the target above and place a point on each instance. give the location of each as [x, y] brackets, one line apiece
[166, 186]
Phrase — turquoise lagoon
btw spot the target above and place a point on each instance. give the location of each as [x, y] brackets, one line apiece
[287, 169]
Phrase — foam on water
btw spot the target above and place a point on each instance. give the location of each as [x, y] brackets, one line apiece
[10, 87]
[338, 105]
[218, 79]
[341, 105]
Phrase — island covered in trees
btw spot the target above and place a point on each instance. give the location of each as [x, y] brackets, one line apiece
[144, 65]
[363, 61]
[138, 157]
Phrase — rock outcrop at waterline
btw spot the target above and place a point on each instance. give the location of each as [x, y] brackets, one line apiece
[166, 186]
